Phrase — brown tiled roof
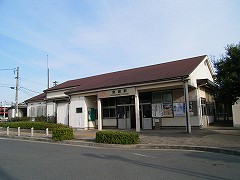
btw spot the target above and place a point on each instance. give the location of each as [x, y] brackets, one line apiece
[39, 97]
[158, 72]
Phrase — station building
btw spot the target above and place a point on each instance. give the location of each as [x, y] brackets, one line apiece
[162, 95]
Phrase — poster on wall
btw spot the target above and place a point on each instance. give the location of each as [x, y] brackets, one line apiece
[157, 110]
[179, 109]
[167, 110]
[191, 108]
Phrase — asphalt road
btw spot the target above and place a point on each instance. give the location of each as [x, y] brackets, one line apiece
[35, 160]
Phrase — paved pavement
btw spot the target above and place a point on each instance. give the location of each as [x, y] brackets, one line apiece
[213, 139]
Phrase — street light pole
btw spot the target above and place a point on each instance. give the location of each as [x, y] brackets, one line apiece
[16, 97]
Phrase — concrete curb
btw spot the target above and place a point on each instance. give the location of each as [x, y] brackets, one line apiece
[157, 146]
[134, 146]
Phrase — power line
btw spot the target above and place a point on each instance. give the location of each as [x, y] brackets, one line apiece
[7, 84]
[29, 90]
[27, 80]
[26, 92]
[11, 87]
[7, 69]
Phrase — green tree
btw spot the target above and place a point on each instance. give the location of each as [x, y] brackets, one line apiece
[228, 77]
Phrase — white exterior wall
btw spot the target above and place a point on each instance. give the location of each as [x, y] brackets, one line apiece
[180, 121]
[78, 120]
[110, 122]
[56, 94]
[62, 113]
[236, 114]
[51, 108]
[203, 71]
[11, 113]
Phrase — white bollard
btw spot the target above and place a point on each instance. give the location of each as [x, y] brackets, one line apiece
[32, 132]
[7, 131]
[47, 132]
[18, 131]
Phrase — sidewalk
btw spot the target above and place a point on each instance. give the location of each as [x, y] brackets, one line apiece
[213, 139]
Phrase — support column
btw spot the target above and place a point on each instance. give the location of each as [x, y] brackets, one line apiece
[199, 107]
[99, 114]
[137, 111]
[185, 87]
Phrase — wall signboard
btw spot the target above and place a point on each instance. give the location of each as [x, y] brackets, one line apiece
[117, 93]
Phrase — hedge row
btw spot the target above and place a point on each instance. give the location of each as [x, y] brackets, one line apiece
[50, 119]
[117, 137]
[30, 124]
[59, 134]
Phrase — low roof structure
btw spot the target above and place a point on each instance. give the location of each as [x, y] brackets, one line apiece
[153, 73]
[40, 97]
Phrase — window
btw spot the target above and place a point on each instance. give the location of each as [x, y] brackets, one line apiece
[156, 97]
[32, 112]
[40, 111]
[203, 103]
[79, 110]
[109, 102]
[109, 108]
[126, 100]
[209, 107]
[145, 97]
[109, 112]
[163, 101]
[162, 97]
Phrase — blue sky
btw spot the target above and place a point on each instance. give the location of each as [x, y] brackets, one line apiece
[85, 38]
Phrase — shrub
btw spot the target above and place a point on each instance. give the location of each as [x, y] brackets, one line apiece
[40, 119]
[30, 124]
[60, 134]
[117, 137]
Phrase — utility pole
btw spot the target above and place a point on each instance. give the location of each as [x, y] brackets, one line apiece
[16, 97]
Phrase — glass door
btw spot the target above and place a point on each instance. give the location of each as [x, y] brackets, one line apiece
[146, 116]
[124, 117]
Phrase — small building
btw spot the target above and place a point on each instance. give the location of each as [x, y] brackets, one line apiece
[166, 95]
[22, 111]
[36, 106]
[236, 114]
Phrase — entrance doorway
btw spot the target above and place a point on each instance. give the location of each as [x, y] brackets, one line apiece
[126, 116]
[146, 116]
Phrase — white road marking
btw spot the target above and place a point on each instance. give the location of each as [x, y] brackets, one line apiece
[143, 155]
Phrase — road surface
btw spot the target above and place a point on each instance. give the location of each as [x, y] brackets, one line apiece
[37, 160]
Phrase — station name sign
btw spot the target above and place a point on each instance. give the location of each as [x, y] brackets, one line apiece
[116, 93]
